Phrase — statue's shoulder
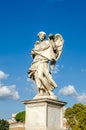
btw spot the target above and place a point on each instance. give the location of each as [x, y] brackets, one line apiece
[37, 43]
[47, 41]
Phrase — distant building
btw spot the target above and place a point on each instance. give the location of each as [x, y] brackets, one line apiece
[17, 126]
[12, 120]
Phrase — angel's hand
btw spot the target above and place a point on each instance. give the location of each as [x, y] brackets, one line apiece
[52, 64]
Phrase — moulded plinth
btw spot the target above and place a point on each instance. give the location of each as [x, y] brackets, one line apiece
[44, 114]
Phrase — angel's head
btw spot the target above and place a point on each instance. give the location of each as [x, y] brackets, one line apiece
[41, 35]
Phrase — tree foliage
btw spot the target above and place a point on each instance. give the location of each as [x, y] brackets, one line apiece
[76, 116]
[20, 117]
[4, 125]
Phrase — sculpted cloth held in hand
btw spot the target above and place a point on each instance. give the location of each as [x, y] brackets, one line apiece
[45, 54]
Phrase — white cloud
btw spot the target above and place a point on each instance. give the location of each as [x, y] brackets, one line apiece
[29, 80]
[71, 91]
[68, 91]
[8, 92]
[55, 70]
[3, 75]
[81, 98]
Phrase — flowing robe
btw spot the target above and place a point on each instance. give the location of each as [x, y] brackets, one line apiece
[39, 71]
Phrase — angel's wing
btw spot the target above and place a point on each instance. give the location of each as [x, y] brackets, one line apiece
[59, 41]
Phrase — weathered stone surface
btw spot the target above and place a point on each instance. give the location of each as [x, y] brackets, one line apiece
[45, 55]
[44, 114]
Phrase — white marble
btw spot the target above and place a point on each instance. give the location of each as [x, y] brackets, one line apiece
[45, 54]
[36, 116]
[44, 114]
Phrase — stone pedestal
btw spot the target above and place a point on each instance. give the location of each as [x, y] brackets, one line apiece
[44, 114]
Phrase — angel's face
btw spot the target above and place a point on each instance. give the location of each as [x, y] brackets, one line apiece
[42, 37]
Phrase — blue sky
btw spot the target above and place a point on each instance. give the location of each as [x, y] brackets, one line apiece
[20, 21]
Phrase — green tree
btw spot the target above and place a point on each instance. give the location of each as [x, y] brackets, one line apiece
[4, 125]
[20, 117]
[76, 116]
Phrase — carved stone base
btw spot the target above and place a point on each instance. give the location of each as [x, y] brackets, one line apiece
[38, 96]
[44, 114]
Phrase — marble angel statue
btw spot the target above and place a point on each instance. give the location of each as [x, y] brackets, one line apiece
[45, 54]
